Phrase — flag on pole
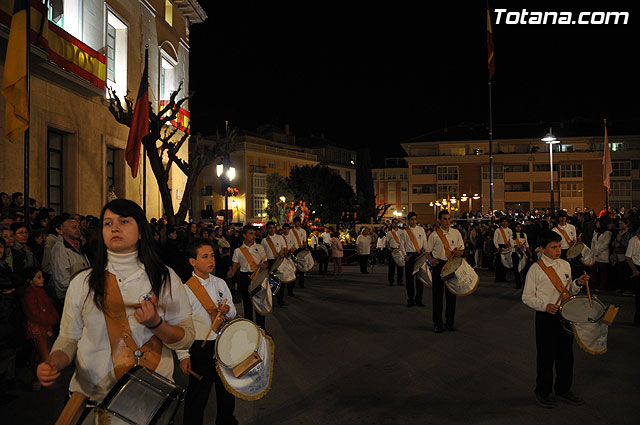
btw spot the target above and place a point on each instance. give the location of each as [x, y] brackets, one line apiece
[14, 77]
[139, 121]
[606, 161]
[491, 63]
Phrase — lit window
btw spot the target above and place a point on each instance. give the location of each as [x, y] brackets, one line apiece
[67, 15]
[116, 55]
[167, 77]
[168, 12]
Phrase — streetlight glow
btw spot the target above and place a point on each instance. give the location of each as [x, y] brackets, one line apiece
[283, 199]
[231, 174]
[219, 169]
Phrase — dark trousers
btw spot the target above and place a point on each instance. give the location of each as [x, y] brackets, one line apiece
[244, 280]
[501, 271]
[323, 263]
[198, 392]
[439, 289]
[515, 258]
[394, 270]
[554, 346]
[414, 286]
[364, 260]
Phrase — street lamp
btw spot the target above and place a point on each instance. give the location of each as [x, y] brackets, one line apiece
[225, 181]
[283, 199]
[551, 140]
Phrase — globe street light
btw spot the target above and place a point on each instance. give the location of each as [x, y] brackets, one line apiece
[225, 181]
[551, 140]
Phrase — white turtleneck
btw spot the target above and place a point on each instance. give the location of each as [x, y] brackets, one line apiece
[124, 265]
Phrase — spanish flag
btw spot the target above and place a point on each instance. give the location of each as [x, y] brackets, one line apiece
[14, 78]
[139, 121]
[491, 63]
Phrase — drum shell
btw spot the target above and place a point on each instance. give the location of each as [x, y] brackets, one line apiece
[397, 257]
[304, 261]
[568, 318]
[285, 269]
[220, 339]
[450, 268]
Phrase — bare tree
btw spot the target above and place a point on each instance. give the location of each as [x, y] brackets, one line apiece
[162, 141]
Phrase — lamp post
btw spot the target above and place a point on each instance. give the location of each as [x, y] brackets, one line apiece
[551, 140]
[226, 173]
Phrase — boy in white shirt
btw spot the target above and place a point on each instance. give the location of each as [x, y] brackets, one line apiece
[204, 289]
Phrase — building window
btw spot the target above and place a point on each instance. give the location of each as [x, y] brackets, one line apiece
[167, 76]
[116, 42]
[544, 187]
[404, 192]
[544, 167]
[168, 12]
[391, 175]
[570, 170]
[54, 170]
[498, 172]
[259, 194]
[516, 187]
[566, 148]
[423, 188]
[571, 190]
[615, 147]
[391, 192]
[621, 169]
[447, 191]
[272, 164]
[448, 173]
[621, 189]
[67, 14]
[404, 175]
[617, 205]
[423, 169]
[111, 169]
[516, 168]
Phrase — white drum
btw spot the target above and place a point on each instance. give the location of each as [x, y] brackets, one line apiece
[284, 269]
[465, 279]
[588, 257]
[522, 263]
[303, 261]
[419, 262]
[397, 256]
[424, 275]
[506, 259]
[584, 320]
[260, 292]
[244, 359]
[575, 251]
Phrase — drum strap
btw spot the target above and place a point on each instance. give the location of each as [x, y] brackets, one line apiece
[249, 257]
[518, 242]
[204, 299]
[413, 238]
[566, 236]
[554, 278]
[272, 246]
[445, 242]
[122, 344]
[295, 233]
[72, 410]
[395, 237]
[504, 236]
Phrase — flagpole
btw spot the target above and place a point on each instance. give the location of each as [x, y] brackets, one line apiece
[27, 214]
[606, 189]
[490, 70]
[144, 160]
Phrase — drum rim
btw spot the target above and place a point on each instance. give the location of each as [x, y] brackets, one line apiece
[451, 260]
[237, 319]
[594, 298]
[475, 285]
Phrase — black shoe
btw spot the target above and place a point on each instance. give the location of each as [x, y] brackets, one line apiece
[544, 400]
[438, 329]
[449, 327]
[571, 398]
[419, 304]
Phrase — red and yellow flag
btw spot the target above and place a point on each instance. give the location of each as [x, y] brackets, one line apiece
[14, 77]
[491, 63]
[139, 121]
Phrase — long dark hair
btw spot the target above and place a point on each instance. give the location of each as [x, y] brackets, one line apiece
[156, 270]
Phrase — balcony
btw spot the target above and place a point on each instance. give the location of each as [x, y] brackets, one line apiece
[258, 169]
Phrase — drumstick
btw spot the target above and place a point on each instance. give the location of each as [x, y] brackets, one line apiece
[213, 323]
[588, 291]
[139, 305]
[195, 375]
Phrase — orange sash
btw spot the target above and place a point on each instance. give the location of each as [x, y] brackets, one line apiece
[249, 257]
[554, 278]
[395, 237]
[205, 300]
[504, 236]
[445, 242]
[122, 344]
[566, 236]
[413, 238]
[272, 246]
[518, 241]
[297, 237]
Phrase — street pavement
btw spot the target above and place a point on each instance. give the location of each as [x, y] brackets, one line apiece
[349, 351]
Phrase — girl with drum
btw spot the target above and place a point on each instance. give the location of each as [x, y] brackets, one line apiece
[131, 288]
[520, 254]
[600, 247]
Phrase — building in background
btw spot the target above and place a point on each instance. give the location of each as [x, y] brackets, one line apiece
[337, 158]
[76, 146]
[391, 186]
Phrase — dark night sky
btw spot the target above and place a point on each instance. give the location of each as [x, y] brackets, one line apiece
[377, 76]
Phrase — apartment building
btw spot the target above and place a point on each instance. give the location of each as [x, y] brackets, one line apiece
[391, 186]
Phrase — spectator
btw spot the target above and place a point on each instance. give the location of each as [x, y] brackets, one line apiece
[21, 236]
[336, 254]
[363, 248]
[67, 256]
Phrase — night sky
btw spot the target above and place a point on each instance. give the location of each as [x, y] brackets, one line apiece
[377, 76]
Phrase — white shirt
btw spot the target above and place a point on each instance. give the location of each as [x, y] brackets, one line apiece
[523, 240]
[571, 231]
[278, 243]
[633, 250]
[291, 240]
[600, 246]
[326, 237]
[538, 289]
[82, 321]
[314, 241]
[418, 233]
[218, 291]
[302, 234]
[256, 251]
[435, 246]
[380, 243]
[498, 239]
[364, 244]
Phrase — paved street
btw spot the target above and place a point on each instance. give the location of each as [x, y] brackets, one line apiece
[348, 351]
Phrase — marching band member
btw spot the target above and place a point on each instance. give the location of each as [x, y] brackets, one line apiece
[548, 282]
[444, 243]
[300, 236]
[248, 258]
[567, 231]
[102, 327]
[393, 241]
[521, 244]
[414, 241]
[292, 246]
[502, 239]
[275, 246]
[633, 260]
[202, 289]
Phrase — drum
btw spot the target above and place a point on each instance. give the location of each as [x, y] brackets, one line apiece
[284, 269]
[424, 275]
[505, 258]
[303, 261]
[141, 396]
[522, 263]
[420, 261]
[274, 283]
[584, 321]
[464, 279]
[260, 292]
[397, 256]
[588, 258]
[244, 359]
[575, 251]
